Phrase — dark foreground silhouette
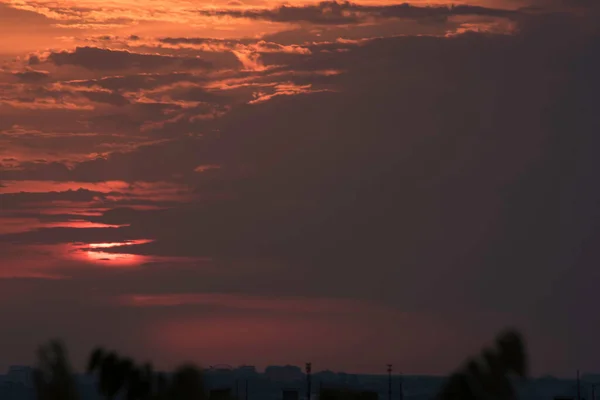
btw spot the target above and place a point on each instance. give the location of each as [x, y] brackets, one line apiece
[487, 376]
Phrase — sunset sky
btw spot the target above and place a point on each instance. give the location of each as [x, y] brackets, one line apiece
[258, 182]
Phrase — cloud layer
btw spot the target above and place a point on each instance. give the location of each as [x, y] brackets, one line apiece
[310, 174]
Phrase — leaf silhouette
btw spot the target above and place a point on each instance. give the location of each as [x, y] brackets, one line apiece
[487, 377]
[52, 376]
[119, 375]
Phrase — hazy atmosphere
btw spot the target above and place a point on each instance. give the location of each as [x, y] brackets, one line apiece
[250, 181]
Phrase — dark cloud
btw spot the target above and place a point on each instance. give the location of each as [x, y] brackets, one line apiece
[32, 76]
[94, 58]
[37, 171]
[33, 94]
[170, 159]
[337, 13]
[24, 199]
[199, 41]
[112, 98]
[328, 184]
[69, 235]
[33, 60]
[136, 82]
[195, 93]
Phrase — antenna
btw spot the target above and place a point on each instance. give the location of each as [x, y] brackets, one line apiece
[308, 368]
[389, 370]
[401, 388]
[578, 387]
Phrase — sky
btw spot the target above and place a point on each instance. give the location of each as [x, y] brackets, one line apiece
[256, 182]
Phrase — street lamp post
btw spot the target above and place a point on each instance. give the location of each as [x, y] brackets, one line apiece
[308, 370]
[578, 387]
[401, 388]
[389, 370]
[594, 390]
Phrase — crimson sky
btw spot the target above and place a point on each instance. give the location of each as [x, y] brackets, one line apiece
[257, 182]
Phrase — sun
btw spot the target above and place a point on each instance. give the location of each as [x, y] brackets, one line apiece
[92, 252]
[114, 259]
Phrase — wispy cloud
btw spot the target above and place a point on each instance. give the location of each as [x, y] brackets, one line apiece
[105, 59]
[279, 304]
[339, 13]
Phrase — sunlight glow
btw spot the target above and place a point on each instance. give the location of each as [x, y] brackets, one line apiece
[118, 244]
[112, 259]
[90, 252]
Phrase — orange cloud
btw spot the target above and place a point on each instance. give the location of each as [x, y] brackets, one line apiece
[154, 190]
[280, 304]
[284, 89]
[203, 168]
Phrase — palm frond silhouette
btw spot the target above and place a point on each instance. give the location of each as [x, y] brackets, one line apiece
[120, 375]
[488, 376]
[52, 376]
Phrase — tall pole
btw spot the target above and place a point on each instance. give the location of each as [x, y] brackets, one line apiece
[401, 388]
[246, 389]
[389, 370]
[594, 392]
[578, 387]
[308, 390]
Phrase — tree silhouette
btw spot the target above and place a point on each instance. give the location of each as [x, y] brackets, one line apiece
[140, 382]
[118, 374]
[52, 376]
[487, 377]
[121, 375]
